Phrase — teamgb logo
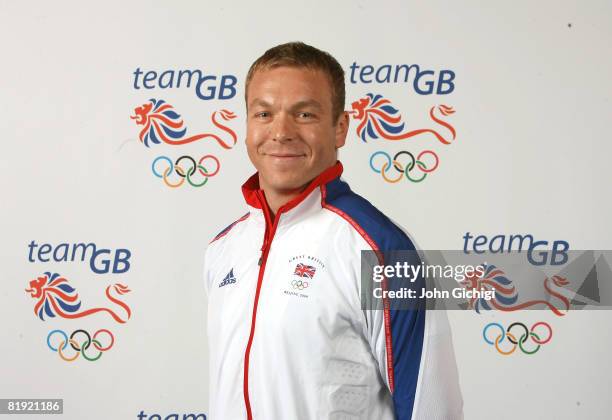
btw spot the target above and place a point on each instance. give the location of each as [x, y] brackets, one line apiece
[379, 119]
[160, 123]
[55, 298]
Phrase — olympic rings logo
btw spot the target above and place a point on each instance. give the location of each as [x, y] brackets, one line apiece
[299, 284]
[404, 170]
[526, 334]
[80, 348]
[184, 174]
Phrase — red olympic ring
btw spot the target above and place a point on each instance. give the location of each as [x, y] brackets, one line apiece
[111, 337]
[422, 166]
[216, 161]
[538, 341]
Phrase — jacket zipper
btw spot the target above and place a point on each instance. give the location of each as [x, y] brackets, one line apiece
[265, 249]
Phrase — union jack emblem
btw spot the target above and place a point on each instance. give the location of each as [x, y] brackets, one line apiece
[304, 270]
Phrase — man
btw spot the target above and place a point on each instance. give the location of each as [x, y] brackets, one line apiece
[288, 338]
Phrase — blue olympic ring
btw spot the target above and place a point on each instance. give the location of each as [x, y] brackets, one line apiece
[380, 152]
[484, 332]
[167, 159]
[49, 338]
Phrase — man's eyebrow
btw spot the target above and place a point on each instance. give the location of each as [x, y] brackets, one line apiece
[298, 105]
[260, 102]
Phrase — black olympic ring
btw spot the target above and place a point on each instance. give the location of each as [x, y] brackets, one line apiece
[86, 345]
[525, 335]
[179, 170]
[399, 168]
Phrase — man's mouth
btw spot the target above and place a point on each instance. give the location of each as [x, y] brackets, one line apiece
[286, 155]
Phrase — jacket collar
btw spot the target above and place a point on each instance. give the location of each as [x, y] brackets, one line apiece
[252, 192]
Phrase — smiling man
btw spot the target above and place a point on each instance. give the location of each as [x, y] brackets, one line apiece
[288, 338]
[294, 128]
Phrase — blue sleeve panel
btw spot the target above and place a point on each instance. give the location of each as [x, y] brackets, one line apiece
[407, 325]
[228, 228]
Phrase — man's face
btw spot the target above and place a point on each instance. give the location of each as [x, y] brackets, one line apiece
[291, 135]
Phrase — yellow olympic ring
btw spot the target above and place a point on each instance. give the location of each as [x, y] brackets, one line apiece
[384, 169]
[166, 172]
[61, 353]
[505, 353]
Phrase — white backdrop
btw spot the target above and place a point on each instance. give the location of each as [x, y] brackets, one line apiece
[531, 156]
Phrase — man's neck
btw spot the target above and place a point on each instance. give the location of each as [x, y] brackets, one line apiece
[276, 199]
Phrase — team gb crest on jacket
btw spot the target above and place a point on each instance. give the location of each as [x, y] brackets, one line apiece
[303, 275]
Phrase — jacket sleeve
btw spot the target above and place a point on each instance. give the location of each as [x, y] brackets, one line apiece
[413, 348]
[205, 271]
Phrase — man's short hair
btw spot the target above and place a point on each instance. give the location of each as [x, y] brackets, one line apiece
[298, 54]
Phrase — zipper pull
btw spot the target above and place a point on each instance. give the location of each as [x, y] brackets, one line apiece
[261, 251]
[263, 248]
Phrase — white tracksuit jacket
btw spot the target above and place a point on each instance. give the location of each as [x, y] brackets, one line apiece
[288, 339]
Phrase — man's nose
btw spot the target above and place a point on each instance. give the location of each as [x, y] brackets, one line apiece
[283, 128]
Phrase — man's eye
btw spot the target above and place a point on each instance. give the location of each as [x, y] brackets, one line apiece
[262, 114]
[305, 115]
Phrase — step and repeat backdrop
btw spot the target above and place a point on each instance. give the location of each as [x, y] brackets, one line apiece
[474, 125]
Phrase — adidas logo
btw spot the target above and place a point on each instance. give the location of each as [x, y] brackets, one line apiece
[229, 279]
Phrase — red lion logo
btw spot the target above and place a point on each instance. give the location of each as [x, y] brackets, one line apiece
[506, 295]
[378, 118]
[163, 124]
[56, 297]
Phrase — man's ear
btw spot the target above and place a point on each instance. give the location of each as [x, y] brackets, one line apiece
[342, 126]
